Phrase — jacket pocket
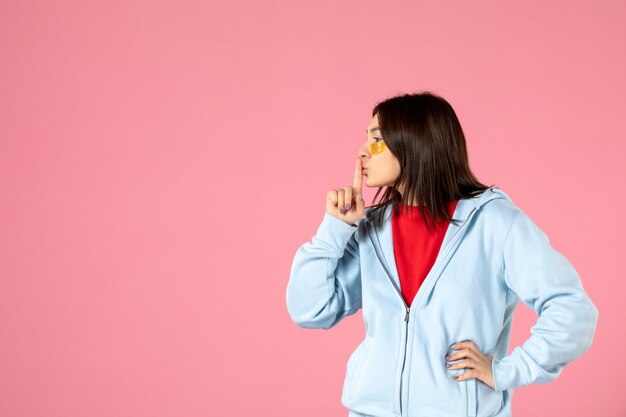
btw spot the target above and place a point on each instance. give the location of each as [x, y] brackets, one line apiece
[472, 397]
[488, 401]
[373, 378]
[353, 366]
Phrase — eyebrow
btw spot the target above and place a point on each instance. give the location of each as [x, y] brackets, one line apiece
[372, 130]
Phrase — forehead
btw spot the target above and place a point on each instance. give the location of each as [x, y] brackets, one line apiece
[373, 124]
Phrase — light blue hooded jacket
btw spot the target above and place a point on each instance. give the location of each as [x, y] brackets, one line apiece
[492, 259]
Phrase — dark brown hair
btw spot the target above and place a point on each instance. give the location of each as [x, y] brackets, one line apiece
[423, 132]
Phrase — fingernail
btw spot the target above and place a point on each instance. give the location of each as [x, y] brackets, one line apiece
[348, 206]
[448, 365]
[342, 211]
[360, 197]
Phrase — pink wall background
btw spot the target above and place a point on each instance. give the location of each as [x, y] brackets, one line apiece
[161, 162]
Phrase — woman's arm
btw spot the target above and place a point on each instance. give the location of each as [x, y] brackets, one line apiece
[548, 283]
[325, 282]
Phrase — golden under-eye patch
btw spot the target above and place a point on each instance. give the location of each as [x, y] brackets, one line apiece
[377, 147]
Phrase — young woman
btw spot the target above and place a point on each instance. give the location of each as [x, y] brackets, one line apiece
[438, 267]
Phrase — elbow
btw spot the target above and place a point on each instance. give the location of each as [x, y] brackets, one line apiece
[305, 323]
[301, 314]
[294, 304]
[308, 316]
[591, 315]
[306, 320]
[594, 320]
[294, 312]
[595, 314]
[298, 320]
[298, 317]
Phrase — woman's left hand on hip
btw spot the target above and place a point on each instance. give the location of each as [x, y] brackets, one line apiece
[477, 363]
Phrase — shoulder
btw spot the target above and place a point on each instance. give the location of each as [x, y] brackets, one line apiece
[499, 210]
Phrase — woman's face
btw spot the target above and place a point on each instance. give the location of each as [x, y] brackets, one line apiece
[380, 169]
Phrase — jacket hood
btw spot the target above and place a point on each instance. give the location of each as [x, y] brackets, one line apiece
[466, 206]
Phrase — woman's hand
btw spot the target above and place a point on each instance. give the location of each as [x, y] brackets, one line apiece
[347, 203]
[478, 363]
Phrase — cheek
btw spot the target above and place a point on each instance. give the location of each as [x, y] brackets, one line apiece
[389, 167]
[396, 171]
[394, 165]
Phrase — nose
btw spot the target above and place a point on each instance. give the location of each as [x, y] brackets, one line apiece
[364, 153]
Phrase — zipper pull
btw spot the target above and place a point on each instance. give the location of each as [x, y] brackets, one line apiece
[406, 316]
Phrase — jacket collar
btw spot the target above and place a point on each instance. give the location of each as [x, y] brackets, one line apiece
[384, 239]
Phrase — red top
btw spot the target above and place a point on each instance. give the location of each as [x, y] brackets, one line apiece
[415, 248]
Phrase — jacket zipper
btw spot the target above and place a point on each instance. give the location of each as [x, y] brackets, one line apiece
[406, 319]
[407, 308]
[406, 338]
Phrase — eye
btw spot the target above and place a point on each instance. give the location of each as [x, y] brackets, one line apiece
[378, 139]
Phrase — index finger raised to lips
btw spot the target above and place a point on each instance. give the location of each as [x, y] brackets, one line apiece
[358, 176]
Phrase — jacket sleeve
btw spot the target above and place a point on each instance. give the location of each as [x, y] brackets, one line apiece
[548, 283]
[325, 280]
